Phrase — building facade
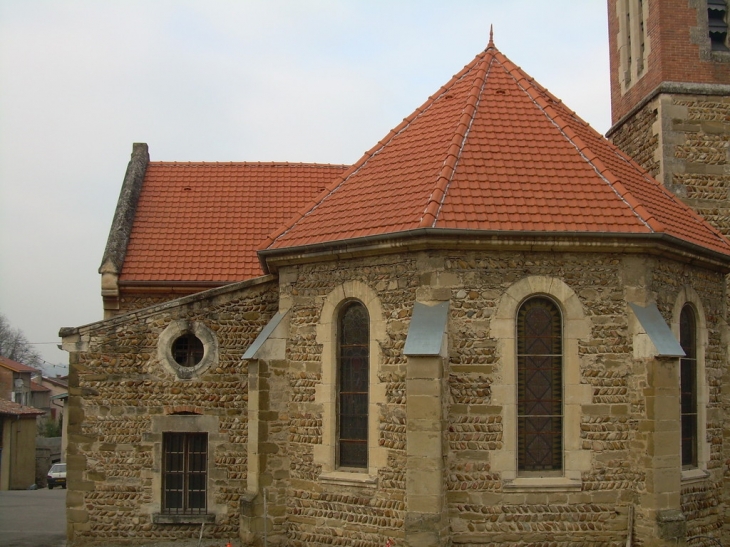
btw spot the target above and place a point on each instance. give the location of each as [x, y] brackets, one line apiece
[462, 340]
[17, 445]
[670, 96]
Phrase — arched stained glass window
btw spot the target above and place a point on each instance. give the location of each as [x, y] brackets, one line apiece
[688, 385]
[353, 384]
[539, 386]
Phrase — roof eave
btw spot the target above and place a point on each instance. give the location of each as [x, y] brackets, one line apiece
[444, 238]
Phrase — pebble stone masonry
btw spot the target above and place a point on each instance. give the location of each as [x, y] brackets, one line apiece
[442, 444]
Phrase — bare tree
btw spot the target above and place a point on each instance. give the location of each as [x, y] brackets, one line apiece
[14, 345]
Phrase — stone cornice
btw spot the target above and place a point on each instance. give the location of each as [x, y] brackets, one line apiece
[655, 244]
[149, 311]
[673, 88]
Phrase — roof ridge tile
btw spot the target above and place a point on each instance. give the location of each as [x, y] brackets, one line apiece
[433, 205]
[465, 165]
[430, 215]
[556, 118]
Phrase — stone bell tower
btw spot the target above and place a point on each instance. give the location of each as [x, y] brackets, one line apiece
[670, 96]
[670, 102]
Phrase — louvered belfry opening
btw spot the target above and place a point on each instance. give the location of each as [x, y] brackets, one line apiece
[540, 386]
[185, 473]
[717, 24]
[354, 371]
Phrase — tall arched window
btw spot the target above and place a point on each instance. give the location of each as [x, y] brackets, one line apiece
[353, 385]
[539, 386]
[688, 385]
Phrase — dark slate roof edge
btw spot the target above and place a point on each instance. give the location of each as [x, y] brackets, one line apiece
[121, 229]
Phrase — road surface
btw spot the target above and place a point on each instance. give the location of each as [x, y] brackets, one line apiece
[33, 518]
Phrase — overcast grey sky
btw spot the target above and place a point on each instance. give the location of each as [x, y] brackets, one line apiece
[247, 80]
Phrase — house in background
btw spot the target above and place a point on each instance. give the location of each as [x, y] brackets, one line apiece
[58, 388]
[17, 445]
[40, 396]
[62, 400]
[16, 382]
[495, 328]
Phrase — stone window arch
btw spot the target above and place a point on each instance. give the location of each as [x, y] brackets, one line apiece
[187, 348]
[575, 393]
[539, 386]
[690, 327]
[326, 454]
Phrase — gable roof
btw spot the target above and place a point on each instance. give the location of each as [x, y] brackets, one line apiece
[14, 409]
[494, 151]
[34, 386]
[15, 366]
[204, 221]
[58, 381]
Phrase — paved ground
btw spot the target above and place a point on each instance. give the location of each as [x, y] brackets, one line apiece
[33, 518]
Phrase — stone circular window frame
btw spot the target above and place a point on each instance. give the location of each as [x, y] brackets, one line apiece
[172, 332]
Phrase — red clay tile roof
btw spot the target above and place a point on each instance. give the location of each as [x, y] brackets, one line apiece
[493, 150]
[15, 366]
[38, 387]
[14, 409]
[204, 221]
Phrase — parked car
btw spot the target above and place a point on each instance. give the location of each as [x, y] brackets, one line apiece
[57, 475]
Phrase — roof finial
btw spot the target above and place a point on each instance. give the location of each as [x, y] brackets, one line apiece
[491, 36]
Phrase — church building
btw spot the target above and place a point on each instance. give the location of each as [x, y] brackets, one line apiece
[498, 327]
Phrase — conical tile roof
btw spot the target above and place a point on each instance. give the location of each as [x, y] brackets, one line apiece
[494, 151]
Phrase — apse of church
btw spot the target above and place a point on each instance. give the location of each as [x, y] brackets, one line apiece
[493, 345]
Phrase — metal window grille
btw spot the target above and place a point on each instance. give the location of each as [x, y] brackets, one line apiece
[185, 473]
[188, 350]
[688, 386]
[539, 386]
[354, 371]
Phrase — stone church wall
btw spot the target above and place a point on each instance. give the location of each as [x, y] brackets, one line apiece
[700, 125]
[122, 395]
[693, 161]
[692, 157]
[346, 514]
[637, 137]
[702, 501]
[131, 300]
[481, 509]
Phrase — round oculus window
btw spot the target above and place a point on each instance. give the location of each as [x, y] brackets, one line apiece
[188, 350]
